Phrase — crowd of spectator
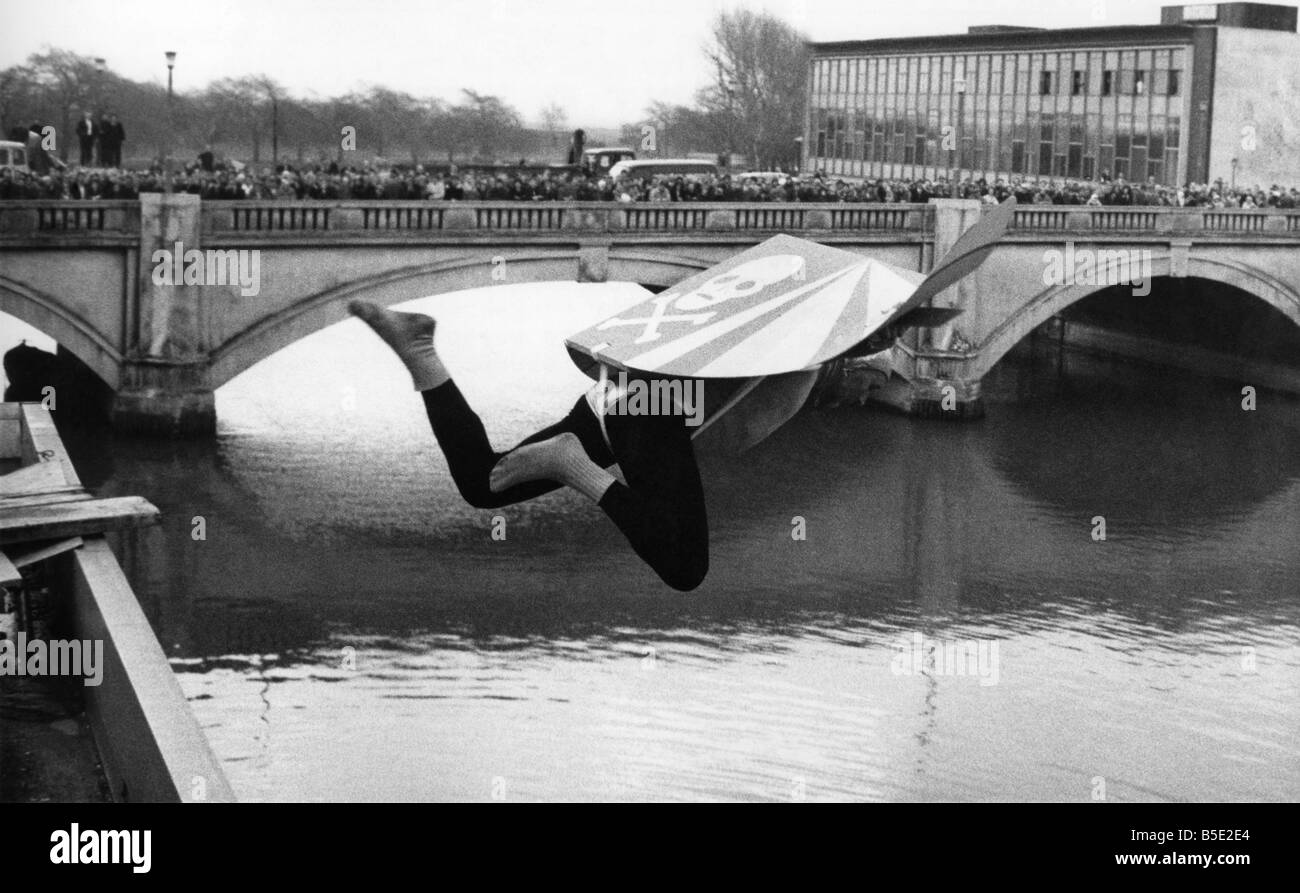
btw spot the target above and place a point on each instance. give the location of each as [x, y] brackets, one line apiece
[367, 182]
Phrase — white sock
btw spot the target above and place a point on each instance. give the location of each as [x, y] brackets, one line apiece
[424, 364]
[585, 476]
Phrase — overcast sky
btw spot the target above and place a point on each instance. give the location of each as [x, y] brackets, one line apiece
[603, 61]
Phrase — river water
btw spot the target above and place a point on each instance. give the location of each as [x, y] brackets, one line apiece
[346, 629]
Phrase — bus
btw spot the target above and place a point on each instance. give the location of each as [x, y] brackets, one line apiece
[655, 167]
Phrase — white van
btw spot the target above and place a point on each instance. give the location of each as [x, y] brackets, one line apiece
[657, 167]
[14, 155]
[602, 158]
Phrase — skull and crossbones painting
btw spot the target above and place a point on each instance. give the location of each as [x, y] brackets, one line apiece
[738, 282]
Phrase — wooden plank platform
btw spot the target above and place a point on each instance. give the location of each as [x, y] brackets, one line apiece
[8, 571]
[87, 516]
[67, 494]
[30, 553]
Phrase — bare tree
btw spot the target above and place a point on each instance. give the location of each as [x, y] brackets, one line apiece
[232, 106]
[760, 65]
[18, 98]
[67, 78]
[56, 85]
[554, 122]
[273, 92]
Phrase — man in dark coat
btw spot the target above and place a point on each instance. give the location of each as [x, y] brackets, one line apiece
[38, 159]
[111, 139]
[87, 133]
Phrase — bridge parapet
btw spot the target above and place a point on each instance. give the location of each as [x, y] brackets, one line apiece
[77, 219]
[1068, 220]
[396, 217]
[72, 222]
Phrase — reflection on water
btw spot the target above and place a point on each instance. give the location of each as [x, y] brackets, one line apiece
[349, 630]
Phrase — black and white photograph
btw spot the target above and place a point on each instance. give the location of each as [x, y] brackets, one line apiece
[698, 402]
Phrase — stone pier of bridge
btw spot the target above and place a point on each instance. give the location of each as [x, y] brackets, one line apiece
[164, 388]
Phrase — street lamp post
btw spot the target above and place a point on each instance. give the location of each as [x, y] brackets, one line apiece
[100, 64]
[960, 86]
[171, 124]
[275, 130]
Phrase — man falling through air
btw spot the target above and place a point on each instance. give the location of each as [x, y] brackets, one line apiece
[661, 507]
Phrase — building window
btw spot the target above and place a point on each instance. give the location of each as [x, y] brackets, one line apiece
[1139, 82]
[1107, 83]
[1173, 81]
[1045, 83]
[1078, 84]
[1074, 161]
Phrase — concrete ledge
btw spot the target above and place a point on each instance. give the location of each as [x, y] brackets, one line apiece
[39, 441]
[150, 745]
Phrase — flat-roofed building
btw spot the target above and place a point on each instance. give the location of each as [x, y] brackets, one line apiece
[1213, 91]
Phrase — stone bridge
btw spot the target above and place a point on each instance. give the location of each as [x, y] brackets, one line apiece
[85, 273]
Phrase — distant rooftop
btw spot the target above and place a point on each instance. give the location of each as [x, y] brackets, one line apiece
[999, 29]
[1177, 23]
[1267, 16]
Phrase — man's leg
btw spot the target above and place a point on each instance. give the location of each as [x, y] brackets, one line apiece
[661, 507]
[661, 510]
[489, 479]
[458, 429]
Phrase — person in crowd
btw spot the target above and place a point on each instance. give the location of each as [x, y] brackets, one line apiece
[112, 137]
[87, 136]
[40, 161]
[368, 182]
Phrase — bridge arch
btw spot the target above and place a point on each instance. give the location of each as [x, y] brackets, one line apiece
[51, 315]
[1055, 299]
[325, 308]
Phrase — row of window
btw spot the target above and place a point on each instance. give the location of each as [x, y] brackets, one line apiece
[1063, 145]
[1073, 72]
[1131, 82]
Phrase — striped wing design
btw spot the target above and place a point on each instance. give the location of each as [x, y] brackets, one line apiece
[782, 306]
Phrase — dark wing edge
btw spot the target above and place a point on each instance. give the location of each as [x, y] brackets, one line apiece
[970, 250]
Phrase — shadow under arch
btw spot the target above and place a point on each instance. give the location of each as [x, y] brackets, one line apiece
[1055, 299]
[1168, 447]
[53, 317]
[323, 309]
